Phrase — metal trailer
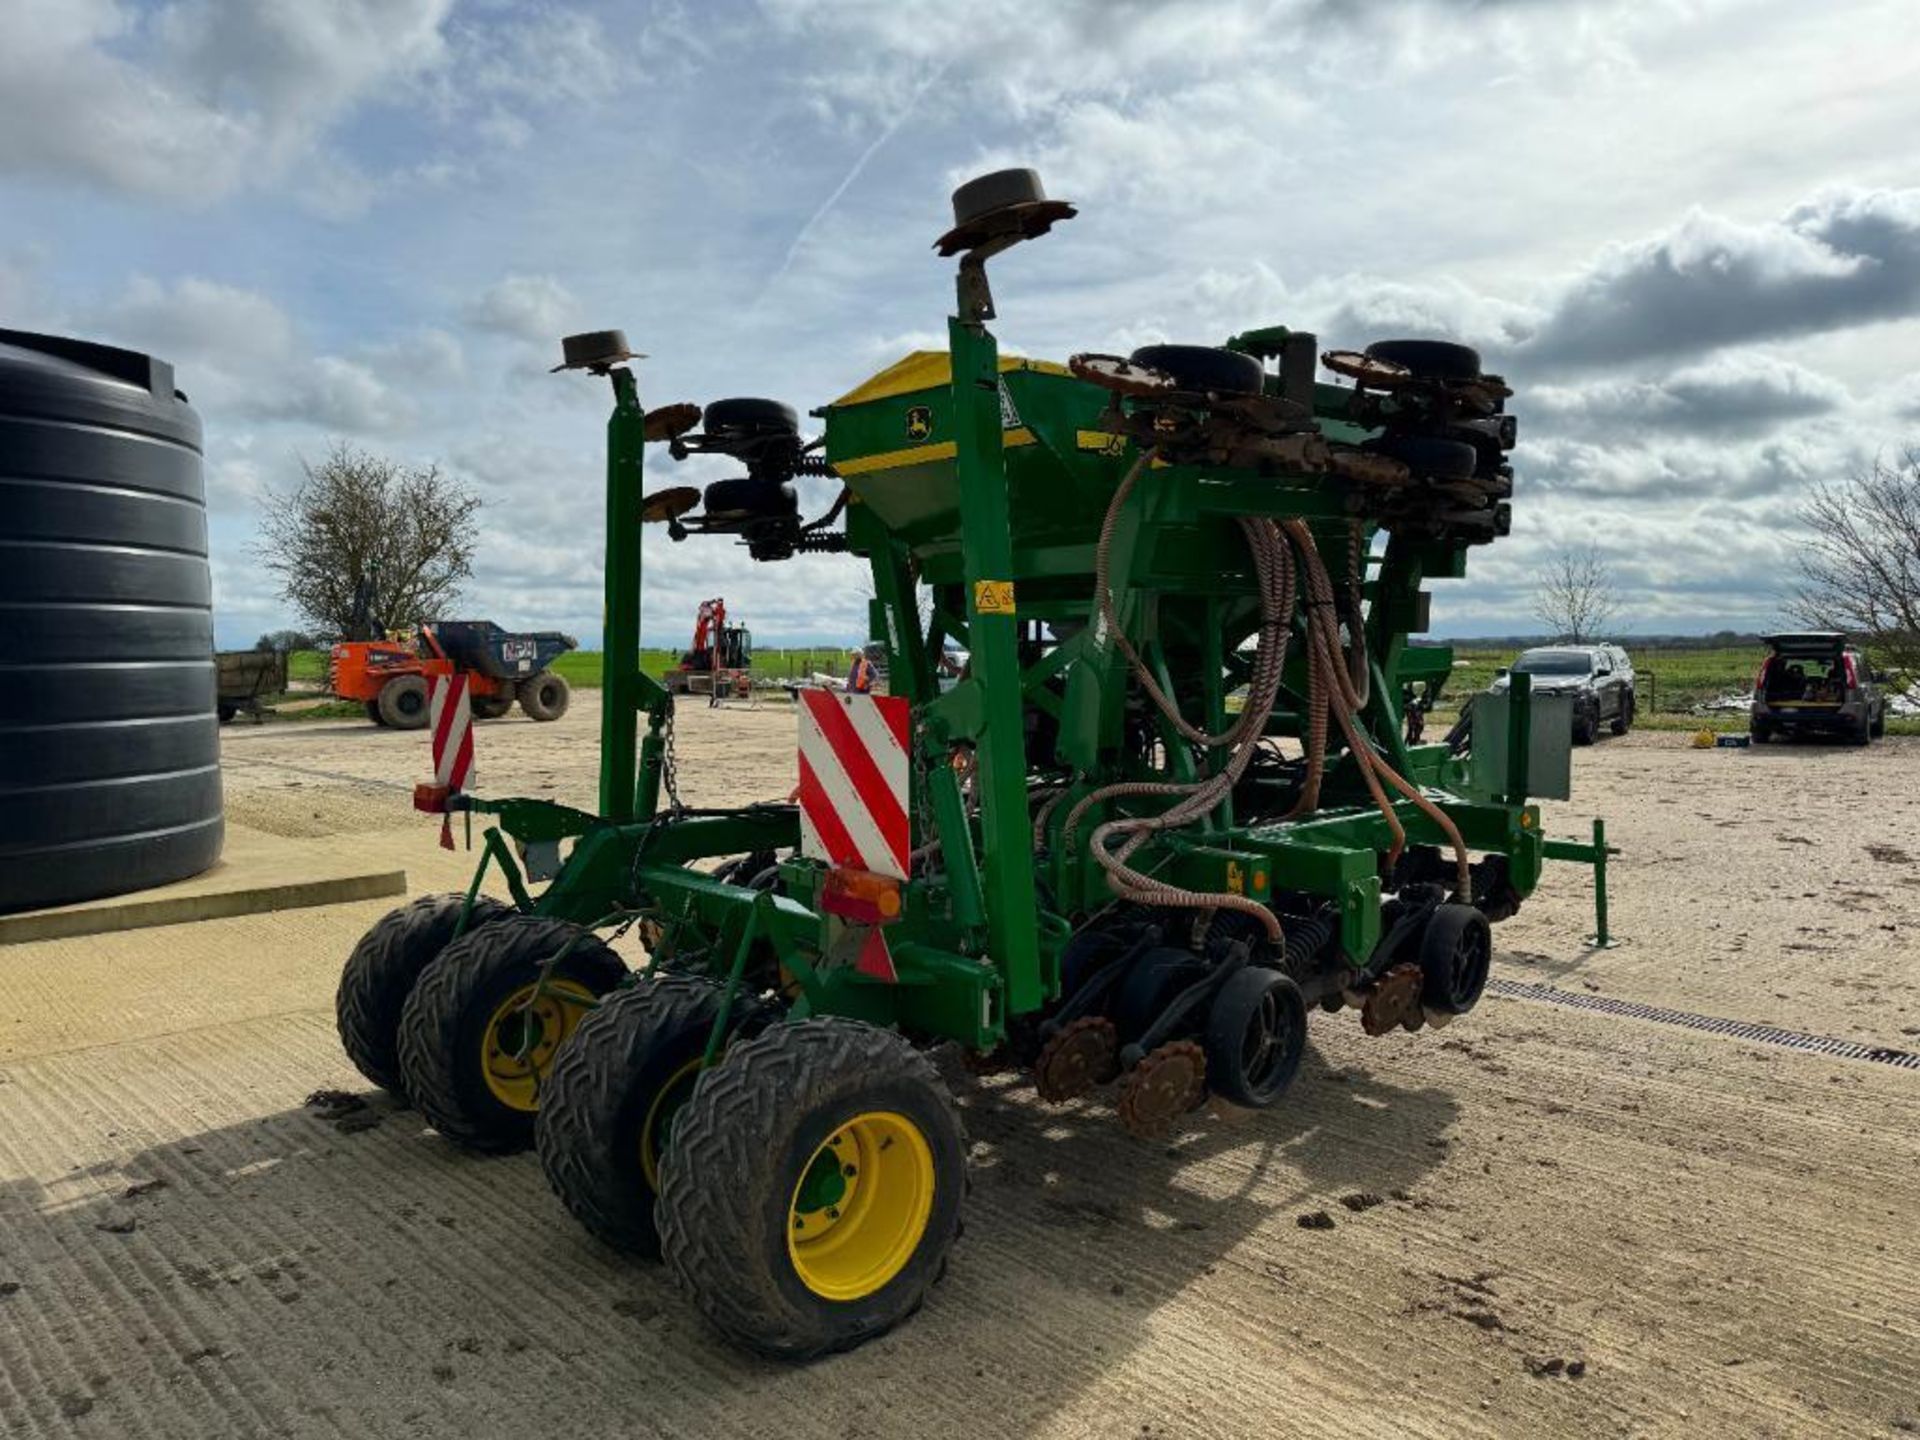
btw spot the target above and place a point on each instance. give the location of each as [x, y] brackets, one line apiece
[1167, 810]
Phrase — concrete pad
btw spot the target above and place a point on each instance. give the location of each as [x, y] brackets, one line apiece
[257, 872]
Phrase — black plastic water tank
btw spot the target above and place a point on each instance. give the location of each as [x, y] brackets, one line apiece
[109, 743]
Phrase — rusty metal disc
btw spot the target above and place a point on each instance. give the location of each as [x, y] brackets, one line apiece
[668, 504]
[670, 420]
[1166, 1084]
[1122, 376]
[1393, 1001]
[1082, 1054]
[1367, 370]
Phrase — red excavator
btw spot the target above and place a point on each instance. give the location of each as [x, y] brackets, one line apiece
[720, 658]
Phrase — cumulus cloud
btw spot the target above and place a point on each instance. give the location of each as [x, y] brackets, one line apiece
[536, 308]
[1843, 257]
[195, 99]
[1738, 393]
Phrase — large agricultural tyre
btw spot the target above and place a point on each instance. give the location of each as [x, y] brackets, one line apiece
[1203, 368]
[490, 707]
[373, 712]
[1456, 956]
[1430, 359]
[1255, 1035]
[382, 970]
[403, 702]
[480, 1030]
[608, 1109]
[545, 696]
[813, 1187]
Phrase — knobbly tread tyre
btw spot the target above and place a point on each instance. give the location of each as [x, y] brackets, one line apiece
[403, 702]
[490, 707]
[545, 696]
[382, 971]
[587, 1131]
[738, 1147]
[446, 1016]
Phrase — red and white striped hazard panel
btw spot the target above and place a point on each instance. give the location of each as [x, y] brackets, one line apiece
[450, 718]
[853, 780]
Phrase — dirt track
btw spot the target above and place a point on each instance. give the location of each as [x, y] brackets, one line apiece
[1721, 1235]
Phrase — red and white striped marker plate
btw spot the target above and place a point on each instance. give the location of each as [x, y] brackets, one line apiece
[853, 780]
[450, 718]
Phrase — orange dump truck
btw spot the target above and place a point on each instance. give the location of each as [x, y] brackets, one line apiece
[390, 677]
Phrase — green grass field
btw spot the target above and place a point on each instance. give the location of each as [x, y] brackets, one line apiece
[1669, 679]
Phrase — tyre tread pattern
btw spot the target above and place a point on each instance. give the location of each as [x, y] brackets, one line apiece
[585, 1093]
[382, 971]
[715, 1181]
[433, 1023]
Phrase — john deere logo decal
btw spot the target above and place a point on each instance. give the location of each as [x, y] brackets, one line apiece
[919, 422]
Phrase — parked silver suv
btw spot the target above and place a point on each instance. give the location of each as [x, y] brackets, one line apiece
[1598, 677]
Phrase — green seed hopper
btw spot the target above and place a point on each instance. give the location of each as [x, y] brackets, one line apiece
[1174, 800]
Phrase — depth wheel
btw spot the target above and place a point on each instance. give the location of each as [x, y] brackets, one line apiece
[1456, 954]
[1203, 369]
[1256, 1033]
[382, 970]
[813, 1187]
[480, 1031]
[608, 1109]
[1430, 359]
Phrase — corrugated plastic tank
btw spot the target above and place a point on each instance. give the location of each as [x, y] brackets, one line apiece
[109, 744]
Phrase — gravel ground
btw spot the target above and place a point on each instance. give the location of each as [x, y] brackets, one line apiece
[1538, 1222]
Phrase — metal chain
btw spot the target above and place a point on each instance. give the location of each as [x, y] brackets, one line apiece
[669, 764]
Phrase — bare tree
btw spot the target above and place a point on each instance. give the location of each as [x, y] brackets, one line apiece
[1860, 569]
[363, 542]
[1576, 595]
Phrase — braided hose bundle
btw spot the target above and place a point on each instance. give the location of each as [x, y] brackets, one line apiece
[1373, 768]
[1338, 690]
[1114, 843]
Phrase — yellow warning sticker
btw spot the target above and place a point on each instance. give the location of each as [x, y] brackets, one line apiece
[1100, 442]
[993, 597]
[1236, 878]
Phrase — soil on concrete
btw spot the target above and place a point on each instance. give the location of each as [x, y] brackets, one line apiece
[1540, 1223]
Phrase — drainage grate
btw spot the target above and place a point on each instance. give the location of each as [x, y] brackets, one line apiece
[1712, 1025]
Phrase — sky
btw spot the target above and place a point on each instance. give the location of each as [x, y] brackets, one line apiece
[1688, 231]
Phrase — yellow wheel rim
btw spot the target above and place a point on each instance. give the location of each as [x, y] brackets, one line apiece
[520, 1040]
[667, 1101]
[861, 1206]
